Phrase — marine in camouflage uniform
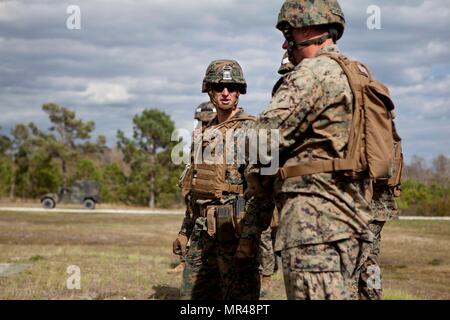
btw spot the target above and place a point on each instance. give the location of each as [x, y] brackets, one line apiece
[383, 208]
[204, 114]
[215, 207]
[269, 263]
[323, 233]
[268, 258]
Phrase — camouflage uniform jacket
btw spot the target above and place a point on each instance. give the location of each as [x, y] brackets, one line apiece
[313, 111]
[234, 173]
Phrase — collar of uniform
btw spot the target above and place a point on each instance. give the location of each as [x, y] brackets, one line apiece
[329, 48]
[215, 121]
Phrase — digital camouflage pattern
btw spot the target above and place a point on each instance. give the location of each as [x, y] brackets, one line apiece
[370, 280]
[286, 66]
[210, 272]
[320, 208]
[383, 208]
[300, 110]
[321, 272]
[205, 112]
[268, 259]
[224, 71]
[268, 264]
[304, 13]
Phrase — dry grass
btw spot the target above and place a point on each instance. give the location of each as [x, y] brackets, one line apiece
[128, 256]
[416, 258]
[119, 256]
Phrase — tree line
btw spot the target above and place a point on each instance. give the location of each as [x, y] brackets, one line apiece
[137, 171]
[426, 189]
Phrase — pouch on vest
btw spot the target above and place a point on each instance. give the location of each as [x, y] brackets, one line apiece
[208, 179]
[185, 180]
[238, 215]
[211, 220]
[224, 220]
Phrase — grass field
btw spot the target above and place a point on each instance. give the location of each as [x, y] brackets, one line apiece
[126, 257]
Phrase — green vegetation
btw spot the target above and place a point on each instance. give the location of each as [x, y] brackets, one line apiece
[426, 191]
[420, 199]
[138, 172]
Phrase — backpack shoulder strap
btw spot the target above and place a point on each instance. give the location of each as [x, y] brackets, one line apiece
[358, 76]
[243, 117]
[357, 73]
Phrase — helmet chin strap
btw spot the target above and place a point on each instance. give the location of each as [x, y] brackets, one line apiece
[217, 105]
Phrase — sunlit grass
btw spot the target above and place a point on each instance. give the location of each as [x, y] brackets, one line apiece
[127, 257]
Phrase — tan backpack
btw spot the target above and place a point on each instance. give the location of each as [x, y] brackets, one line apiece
[374, 148]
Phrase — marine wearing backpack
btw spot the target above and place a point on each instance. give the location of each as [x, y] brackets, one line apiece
[329, 164]
[374, 150]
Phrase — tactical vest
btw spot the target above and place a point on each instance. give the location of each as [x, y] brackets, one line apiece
[374, 148]
[185, 181]
[209, 179]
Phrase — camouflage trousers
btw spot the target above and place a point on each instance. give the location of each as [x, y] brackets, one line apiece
[210, 273]
[268, 262]
[325, 271]
[369, 284]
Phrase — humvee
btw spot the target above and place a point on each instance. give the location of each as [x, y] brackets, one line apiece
[85, 192]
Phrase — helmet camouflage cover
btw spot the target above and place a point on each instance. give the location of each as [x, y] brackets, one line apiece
[224, 71]
[205, 112]
[304, 13]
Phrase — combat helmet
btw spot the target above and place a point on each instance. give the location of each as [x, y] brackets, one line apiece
[305, 13]
[224, 71]
[205, 112]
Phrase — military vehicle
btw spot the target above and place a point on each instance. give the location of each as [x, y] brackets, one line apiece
[86, 192]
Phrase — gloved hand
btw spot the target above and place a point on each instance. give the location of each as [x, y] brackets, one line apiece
[180, 244]
[246, 253]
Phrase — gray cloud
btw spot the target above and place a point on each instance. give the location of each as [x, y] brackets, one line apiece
[130, 55]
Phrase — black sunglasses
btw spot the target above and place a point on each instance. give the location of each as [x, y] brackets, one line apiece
[218, 87]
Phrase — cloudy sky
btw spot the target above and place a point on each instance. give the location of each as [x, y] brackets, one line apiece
[135, 54]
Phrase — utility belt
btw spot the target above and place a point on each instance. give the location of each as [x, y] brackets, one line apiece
[223, 220]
